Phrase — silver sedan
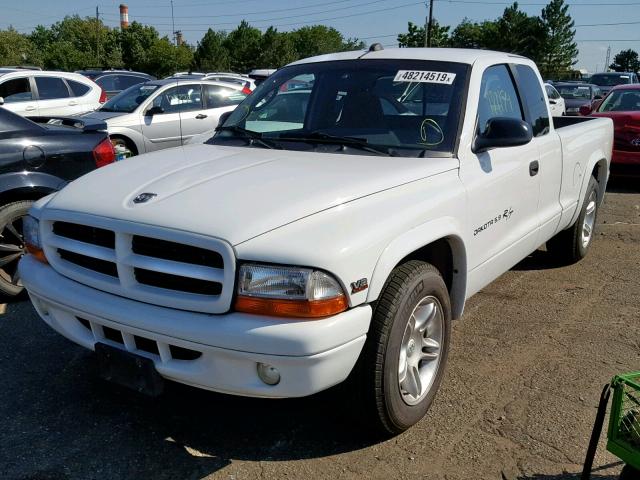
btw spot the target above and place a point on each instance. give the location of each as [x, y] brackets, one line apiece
[166, 113]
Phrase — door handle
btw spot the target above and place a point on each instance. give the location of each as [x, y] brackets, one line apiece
[73, 103]
[534, 168]
[30, 108]
[201, 116]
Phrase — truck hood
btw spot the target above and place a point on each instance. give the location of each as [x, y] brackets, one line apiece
[236, 193]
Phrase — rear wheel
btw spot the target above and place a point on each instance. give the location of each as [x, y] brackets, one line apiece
[402, 363]
[572, 245]
[11, 245]
[629, 473]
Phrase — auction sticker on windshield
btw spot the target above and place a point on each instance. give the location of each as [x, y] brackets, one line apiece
[424, 77]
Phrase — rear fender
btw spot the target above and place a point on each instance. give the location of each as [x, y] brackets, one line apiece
[28, 185]
[446, 228]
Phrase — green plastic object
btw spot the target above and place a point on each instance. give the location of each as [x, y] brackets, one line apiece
[623, 438]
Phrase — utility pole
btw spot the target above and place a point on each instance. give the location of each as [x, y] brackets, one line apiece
[98, 34]
[173, 24]
[607, 62]
[429, 25]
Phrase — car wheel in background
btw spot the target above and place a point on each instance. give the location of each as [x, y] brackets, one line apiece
[402, 363]
[572, 245]
[11, 245]
[123, 145]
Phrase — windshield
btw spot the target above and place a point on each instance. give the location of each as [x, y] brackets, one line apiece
[610, 79]
[403, 106]
[572, 92]
[130, 99]
[621, 101]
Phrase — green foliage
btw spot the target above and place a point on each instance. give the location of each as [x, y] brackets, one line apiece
[276, 49]
[416, 37]
[626, 61]
[211, 55]
[318, 40]
[17, 49]
[559, 51]
[243, 45]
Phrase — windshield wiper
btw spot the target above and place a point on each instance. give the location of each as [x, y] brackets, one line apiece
[253, 137]
[351, 142]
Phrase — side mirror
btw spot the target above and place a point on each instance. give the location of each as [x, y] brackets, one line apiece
[503, 132]
[223, 118]
[1, 100]
[154, 111]
[585, 110]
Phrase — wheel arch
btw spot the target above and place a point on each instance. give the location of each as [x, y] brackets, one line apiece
[129, 139]
[600, 171]
[439, 243]
[27, 186]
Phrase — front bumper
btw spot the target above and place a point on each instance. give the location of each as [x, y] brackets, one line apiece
[311, 355]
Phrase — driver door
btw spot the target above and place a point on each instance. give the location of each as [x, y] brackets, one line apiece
[162, 129]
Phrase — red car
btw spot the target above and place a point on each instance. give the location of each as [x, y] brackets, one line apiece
[622, 105]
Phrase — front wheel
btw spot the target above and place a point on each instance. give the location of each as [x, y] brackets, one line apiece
[629, 473]
[11, 245]
[401, 366]
[571, 245]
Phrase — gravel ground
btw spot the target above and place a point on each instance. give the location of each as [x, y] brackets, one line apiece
[528, 362]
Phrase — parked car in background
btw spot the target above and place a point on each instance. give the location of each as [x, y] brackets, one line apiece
[115, 81]
[236, 78]
[166, 113]
[261, 74]
[606, 81]
[35, 160]
[622, 105]
[34, 92]
[578, 94]
[556, 102]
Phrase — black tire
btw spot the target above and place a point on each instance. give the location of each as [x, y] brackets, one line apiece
[11, 245]
[629, 473]
[567, 247]
[376, 376]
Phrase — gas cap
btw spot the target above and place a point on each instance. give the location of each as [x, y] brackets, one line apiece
[34, 156]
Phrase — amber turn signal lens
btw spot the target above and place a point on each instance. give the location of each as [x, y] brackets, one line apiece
[291, 308]
[38, 253]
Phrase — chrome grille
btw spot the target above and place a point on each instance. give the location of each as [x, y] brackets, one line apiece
[150, 264]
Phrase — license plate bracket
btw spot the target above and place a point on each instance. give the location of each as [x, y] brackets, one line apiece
[128, 370]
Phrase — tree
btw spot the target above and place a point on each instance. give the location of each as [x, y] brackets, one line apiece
[469, 34]
[276, 49]
[211, 54]
[318, 40]
[626, 61]
[244, 43]
[136, 42]
[559, 52]
[519, 33]
[17, 49]
[416, 37]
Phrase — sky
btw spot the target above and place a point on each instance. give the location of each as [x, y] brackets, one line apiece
[599, 23]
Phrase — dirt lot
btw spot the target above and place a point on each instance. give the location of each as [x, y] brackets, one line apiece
[528, 362]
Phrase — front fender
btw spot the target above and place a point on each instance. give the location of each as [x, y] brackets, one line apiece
[136, 137]
[443, 228]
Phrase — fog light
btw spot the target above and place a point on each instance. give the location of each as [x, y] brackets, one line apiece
[268, 374]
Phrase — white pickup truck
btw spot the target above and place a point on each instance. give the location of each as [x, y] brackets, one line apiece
[332, 229]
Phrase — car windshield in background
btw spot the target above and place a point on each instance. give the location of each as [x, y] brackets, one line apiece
[399, 107]
[128, 100]
[610, 79]
[571, 92]
[621, 101]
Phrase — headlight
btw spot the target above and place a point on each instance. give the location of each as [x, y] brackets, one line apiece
[288, 292]
[31, 234]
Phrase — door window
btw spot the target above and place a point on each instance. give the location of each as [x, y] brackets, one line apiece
[534, 99]
[183, 98]
[498, 97]
[108, 83]
[16, 90]
[126, 81]
[216, 96]
[50, 88]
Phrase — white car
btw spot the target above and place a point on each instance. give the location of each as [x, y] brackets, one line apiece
[166, 113]
[324, 235]
[43, 93]
[556, 102]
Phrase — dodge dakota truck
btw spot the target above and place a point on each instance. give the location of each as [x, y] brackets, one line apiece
[330, 230]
